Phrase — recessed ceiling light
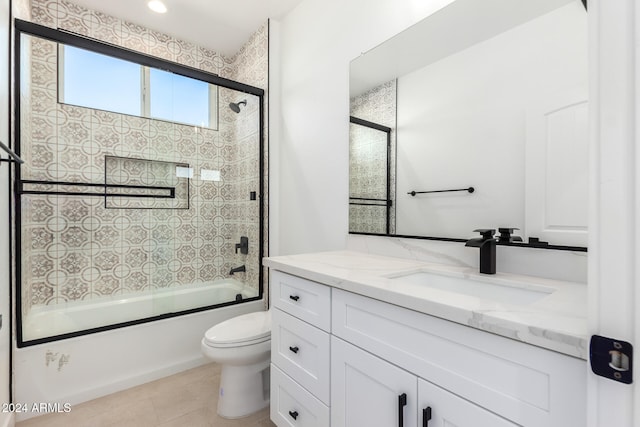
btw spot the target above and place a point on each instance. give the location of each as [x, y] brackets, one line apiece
[157, 6]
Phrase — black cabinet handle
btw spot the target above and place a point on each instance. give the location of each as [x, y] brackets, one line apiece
[294, 349]
[426, 416]
[402, 402]
[294, 297]
[293, 414]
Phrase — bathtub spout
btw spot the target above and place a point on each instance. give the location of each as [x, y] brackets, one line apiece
[237, 270]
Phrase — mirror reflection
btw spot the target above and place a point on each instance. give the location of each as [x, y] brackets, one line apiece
[500, 107]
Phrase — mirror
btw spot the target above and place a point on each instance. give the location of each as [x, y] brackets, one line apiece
[486, 106]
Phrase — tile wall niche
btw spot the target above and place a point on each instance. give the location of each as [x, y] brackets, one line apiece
[75, 249]
[366, 169]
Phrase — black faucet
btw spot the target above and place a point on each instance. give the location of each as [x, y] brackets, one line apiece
[237, 270]
[487, 245]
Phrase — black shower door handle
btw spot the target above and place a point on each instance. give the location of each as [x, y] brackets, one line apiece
[402, 402]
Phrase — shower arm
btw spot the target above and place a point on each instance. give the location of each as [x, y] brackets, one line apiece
[14, 156]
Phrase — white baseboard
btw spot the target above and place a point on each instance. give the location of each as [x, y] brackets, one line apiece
[132, 381]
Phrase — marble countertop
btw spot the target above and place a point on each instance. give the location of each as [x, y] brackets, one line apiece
[557, 321]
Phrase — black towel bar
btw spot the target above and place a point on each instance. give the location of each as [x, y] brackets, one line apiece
[470, 190]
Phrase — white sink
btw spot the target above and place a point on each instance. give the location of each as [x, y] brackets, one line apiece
[504, 292]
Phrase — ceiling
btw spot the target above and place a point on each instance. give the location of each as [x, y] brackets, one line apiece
[220, 25]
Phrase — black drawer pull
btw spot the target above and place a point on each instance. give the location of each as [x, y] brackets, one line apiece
[294, 349]
[426, 416]
[293, 414]
[294, 297]
[402, 402]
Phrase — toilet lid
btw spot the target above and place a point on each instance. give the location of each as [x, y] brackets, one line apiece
[241, 329]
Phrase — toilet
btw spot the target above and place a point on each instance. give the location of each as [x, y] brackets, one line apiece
[242, 345]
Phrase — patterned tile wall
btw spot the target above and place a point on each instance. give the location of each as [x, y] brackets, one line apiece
[367, 158]
[251, 65]
[74, 248]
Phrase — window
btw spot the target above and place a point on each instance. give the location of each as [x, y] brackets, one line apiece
[93, 80]
[99, 81]
[179, 99]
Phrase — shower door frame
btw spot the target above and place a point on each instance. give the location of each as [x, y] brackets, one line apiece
[58, 36]
[388, 202]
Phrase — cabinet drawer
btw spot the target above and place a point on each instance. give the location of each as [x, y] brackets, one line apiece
[302, 298]
[292, 405]
[526, 384]
[301, 351]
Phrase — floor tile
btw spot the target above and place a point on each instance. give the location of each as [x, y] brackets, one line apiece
[188, 398]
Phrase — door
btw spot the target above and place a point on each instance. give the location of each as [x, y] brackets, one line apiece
[439, 408]
[614, 214]
[557, 158]
[367, 391]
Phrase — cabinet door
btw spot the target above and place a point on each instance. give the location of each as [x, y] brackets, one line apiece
[369, 392]
[448, 410]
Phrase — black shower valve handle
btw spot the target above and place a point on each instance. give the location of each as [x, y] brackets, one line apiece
[243, 246]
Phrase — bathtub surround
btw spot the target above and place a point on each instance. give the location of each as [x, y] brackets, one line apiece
[76, 246]
[128, 250]
[152, 341]
[111, 256]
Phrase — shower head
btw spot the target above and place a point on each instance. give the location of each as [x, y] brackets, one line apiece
[235, 106]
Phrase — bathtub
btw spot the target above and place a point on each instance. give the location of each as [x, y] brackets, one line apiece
[120, 358]
[56, 319]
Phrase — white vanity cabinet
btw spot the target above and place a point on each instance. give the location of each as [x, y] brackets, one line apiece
[368, 391]
[300, 326]
[386, 362]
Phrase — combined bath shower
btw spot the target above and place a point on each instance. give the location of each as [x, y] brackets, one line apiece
[235, 106]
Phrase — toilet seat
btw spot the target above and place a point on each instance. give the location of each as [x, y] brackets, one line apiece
[248, 329]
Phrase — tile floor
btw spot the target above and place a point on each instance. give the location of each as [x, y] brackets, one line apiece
[187, 399]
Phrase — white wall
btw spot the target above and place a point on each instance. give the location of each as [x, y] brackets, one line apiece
[318, 39]
[462, 121]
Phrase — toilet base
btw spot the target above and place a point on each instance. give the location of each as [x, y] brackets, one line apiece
[244, 390]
